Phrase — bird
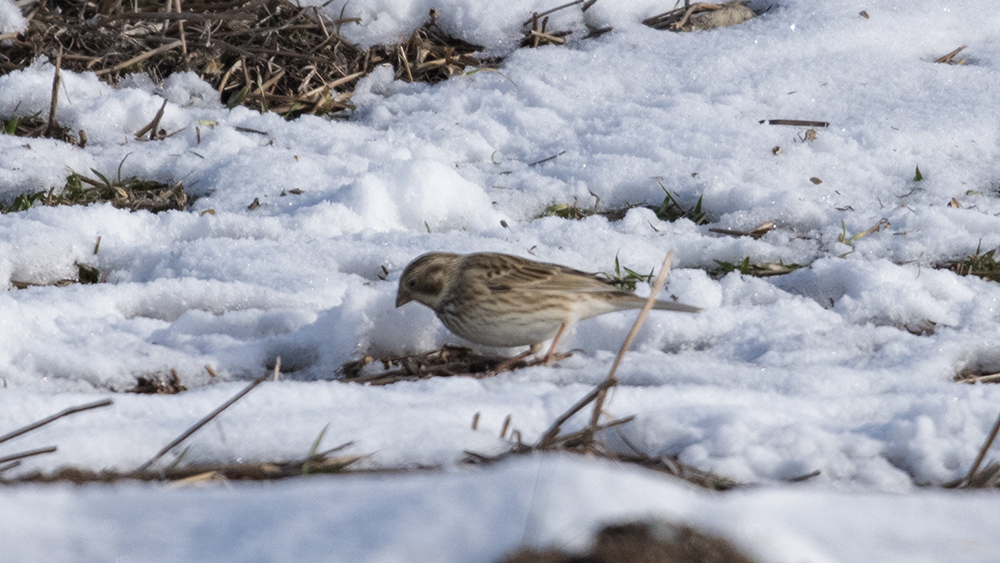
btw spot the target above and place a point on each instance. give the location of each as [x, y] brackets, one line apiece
[506, 301]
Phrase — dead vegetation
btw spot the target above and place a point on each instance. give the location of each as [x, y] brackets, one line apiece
[158, 384]
[445, 362]
[979, 476]
[133, 194]
[652, 541]
[315, 461]
[270, 55]
[981, 264]
[949, 59]
[86, 275]
[701, 16]
[429, 55]
[266, 54]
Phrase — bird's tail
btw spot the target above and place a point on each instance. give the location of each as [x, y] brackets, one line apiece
[675, 306]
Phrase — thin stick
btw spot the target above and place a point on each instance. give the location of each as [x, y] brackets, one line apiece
[406, 64]
[57, 416]
[187, 433]
[796, 122]
[982, 451]
[180, 30]
[54, 103]
[547, 37]
[28, 453]
[639, 321]
[553, 430]
[142, 57]
[658, 18]
[178, 16]
[556, 9]
[947, 58]
[547, 159]
[153, 125]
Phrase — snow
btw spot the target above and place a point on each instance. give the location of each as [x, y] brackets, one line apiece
[844, 367]
[480, 515]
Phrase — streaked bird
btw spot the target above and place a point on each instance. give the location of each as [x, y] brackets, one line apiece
[506, 301]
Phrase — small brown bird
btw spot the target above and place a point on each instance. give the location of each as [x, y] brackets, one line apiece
[505, 301]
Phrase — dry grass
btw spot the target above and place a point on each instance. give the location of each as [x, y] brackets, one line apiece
[701, 16]
[655, 541]
[267, 54]
[980, 264]
[133, 194]
[429, 55]
[271, 55]
[158, 385]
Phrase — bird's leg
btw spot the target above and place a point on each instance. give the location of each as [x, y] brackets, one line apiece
[509, 362]
[550, 356]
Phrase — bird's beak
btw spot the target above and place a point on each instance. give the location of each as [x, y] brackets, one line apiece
[402, 298]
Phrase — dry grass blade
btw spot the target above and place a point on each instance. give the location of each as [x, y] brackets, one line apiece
[796, 122]
[639, 321]
[971, 477]
[701, 16]
[28, 453]
[139, 58]
[430, 55]
[153, 126]
[448, 361]
[539, 34]
[756, 233]
[57, 416]
[949, 58]
[676, 468]
[208, 418]
[535, 16]
[258, 471]
[599, 393]
[973, 376]
[553, 157]
[550, 435]
[54, 102]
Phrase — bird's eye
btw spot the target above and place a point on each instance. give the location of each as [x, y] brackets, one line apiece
[411, 284]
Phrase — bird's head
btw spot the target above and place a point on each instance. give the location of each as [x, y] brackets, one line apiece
[424, 280]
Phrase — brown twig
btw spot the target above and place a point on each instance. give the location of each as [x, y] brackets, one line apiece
[28, 453]
[152, 126]
[948, 58]
[140, 58]
[57, 416]
[556, 9]
[796, 122]
[982, 451]
[756, 232]
[50, 129]
[180, 31]
[658, 19]
[550, 435]
[639, 321]
[208, 418]
[178, 16]
[553, 157]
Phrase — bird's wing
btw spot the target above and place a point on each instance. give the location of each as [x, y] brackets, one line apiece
[503, 272]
